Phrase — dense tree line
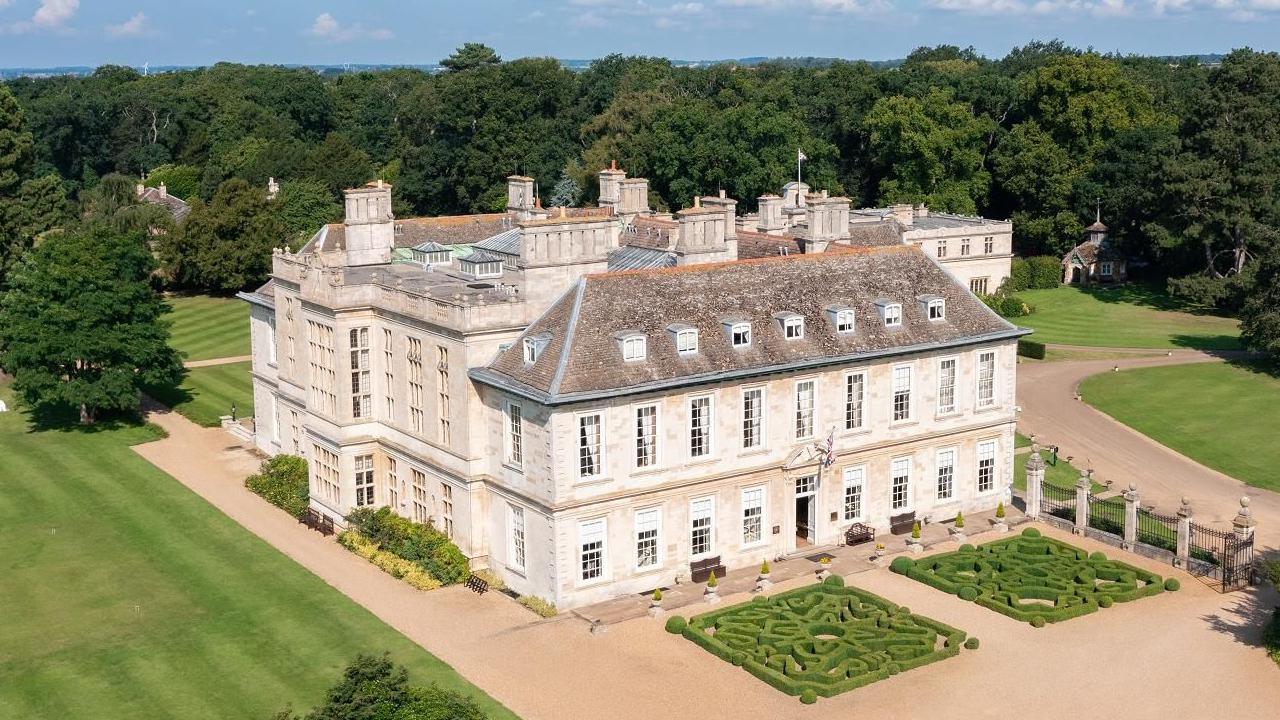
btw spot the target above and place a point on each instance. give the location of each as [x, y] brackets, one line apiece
[1183, 157]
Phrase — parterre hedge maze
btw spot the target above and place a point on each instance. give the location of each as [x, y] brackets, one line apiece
[821, 640]
[1033, 578]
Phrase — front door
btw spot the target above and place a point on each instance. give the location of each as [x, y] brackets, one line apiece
[806, 505]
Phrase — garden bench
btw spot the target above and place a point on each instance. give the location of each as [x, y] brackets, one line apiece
[311, 519]
[326, 525]
[859, 533]
[700, 570]
[477, 584]
[902, 524]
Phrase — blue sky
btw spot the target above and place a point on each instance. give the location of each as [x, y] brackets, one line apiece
[92, 32]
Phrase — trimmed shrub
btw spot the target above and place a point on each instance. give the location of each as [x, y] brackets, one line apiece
[1172, 584]
[1031, 533]
[960, 520]
[915, 531]
[1019, 276]
[1105, 601]
[1097, 556]
[416, 542]
[657, 595]
[282, 481]
[1032, 349]
[968, 548]
[676, 624]
[902, 565]
[1045, 272]
[971, 644]
[544, 608]
[711, 580]
[764, 568]
[1037, 621]
[396, 567]
[833, 581]
[808, 697]
[893, 668]
[1011, 306]
[1000, 510]
[968, 592]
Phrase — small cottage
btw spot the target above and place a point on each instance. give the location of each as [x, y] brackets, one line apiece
[1096, 260]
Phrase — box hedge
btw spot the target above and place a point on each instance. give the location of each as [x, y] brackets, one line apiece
[415, 542]
[1032, 349]
[282, 481]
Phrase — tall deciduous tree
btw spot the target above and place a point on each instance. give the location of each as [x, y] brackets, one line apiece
[226, 244]
[81, 326]
[303, 206]
[1260, 317]
[469, 57]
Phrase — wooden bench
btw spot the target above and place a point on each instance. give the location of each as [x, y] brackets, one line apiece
[326, 525]
[859, 533]
[477, 584]
[700, 570]
[310, 518]
[902, 524]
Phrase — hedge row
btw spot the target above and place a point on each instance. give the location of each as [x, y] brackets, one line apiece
[415, 542]
[397, 567]
[791, 657]
[1002, 574]
[282, 481]
[1031, 349]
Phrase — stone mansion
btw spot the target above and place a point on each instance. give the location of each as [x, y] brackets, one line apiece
[589, 400]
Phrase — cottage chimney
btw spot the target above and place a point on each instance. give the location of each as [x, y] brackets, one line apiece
[701, 236]
[164, 191]
[273, 188]
[369, 224]
[770, 216]
[140, 189]
[794, 194]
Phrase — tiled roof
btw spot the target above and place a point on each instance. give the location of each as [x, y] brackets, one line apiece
[480, 256]
[651, 233]
[753, 245]
[446, 230]
[582, 358]
[881, 234]
[176, 206]
[506, 243]
[1090, 252]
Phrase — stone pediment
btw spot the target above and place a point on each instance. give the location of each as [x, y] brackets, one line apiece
[805, 456]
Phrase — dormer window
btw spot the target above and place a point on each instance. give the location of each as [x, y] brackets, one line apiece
[891, 313]
[431, 253]
[793, 327]
[842, 318]
[634, 348]
[687, 341]
[936, 308]
[740, 334]
[533, 348]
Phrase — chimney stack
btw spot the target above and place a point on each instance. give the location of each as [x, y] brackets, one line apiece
[827, 219]
[273, 188]
[520, 198]
[633, 196]
[905, 214]
[770, 216]
[610, 185]
[729, 207]
[370, 224]
[164, 191]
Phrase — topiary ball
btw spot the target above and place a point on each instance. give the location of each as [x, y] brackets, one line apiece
[1037, 621]
[1172, 584]
[760, 599]
[1105, 601]
[834, 581]
[902, 610]
[738, 658]
[1031, 533]
[676, 624]
[1097, 556]
[967, 547]
[808, 697]
[902, 564]
[971, 644]
[968, 592]
[893, 668]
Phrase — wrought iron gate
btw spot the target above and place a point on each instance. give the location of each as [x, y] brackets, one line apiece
[1221, 555]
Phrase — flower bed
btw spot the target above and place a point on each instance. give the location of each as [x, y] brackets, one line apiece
[417, 543]
[821, 640]
[1032, 578]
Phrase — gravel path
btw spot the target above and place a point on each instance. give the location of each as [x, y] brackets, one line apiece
[217, 361]
[1147, 659]
[1123, 455]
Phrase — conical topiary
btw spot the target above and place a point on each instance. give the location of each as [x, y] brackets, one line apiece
[711, 580]
[959, 520]
[657, 595]
[915, 531]
[1000, 511]
[764, 568]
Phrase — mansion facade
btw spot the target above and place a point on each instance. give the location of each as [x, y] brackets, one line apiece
[590, 400]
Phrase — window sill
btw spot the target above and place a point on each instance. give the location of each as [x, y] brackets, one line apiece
[642, 572]
[951, 414]
[854, 432]
[903, 423]
[590, 482]
[592, 583]
[518, 469]
[646, 470]
[516, 571]
[759, 543]
[986, 409]
[694, 462]
[753, 452]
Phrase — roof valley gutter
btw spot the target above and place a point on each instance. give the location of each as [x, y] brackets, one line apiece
[498, 380]
[562, 362]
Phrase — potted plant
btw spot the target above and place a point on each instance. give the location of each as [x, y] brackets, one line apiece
[880, 549]
[824, 568]
[764, 570]
[1000, 524]
[655, 603]
[712, 594]
[957, 529]
[914, 544]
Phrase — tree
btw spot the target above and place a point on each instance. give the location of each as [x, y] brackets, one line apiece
[15, 163]
[180, 181]
[339, 165]
[566, 192]
[1037, 177]
[303, 206]
[225, 244]
[81, 326]
[1260, 317]
[929, 151]
[373, 688]
[469, 57]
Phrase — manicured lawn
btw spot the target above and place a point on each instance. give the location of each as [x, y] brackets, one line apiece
[1063, 474]
[209, 327]
[1032, 578]
[125, 595]
[208, 392]
[1135, 316]
[1224, 415]
[821, 640]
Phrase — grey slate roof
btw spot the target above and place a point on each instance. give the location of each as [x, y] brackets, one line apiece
[583, 360]
[430, 246]
[480, 256]
[639, 258]
[177, 207]
[506, 243]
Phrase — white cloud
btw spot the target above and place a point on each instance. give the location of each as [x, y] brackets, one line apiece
[135, 26]
[327, 26]
[50, 16]
[819, 6]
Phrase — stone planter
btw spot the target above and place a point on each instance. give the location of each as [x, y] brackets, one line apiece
[823, 573]
[711, 596]
[914, 546]
[763, 582]
[957, 534]
[1000, 526]
[655, 608]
